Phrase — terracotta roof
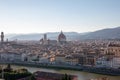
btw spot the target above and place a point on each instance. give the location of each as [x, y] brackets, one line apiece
[114, 45]
[40, 75]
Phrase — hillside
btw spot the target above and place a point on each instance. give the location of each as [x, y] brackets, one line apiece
[110, 33]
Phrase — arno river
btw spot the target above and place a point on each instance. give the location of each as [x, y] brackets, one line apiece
[81, 75]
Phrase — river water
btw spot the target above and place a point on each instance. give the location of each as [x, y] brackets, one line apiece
[81, 75]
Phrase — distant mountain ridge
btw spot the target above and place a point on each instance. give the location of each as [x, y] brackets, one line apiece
[110, 33]
[50, 35]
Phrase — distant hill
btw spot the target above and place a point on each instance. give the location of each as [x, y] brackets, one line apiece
[110, 33]
[50, 35]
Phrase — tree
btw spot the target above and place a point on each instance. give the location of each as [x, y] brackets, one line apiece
[8, 68]
[66, 77]
[32, 77]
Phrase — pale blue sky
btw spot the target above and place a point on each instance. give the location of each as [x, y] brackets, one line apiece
[39, 16]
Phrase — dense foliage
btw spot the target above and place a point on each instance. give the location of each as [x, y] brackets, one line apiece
[66, 77]
[14, 76]
[10, 74]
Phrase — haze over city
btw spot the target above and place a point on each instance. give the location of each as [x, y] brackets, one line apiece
[59, 39]
[40, 16]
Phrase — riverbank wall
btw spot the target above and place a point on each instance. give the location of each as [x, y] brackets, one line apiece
[104, 71]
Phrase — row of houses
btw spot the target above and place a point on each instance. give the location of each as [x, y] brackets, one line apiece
[73, 59]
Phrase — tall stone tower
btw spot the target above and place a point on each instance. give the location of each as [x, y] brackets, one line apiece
[45, 36]
[45, 39]
[2, 36]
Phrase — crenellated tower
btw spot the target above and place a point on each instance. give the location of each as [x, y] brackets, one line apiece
[2, 36]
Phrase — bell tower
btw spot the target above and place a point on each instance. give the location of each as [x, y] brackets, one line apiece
[2, 36]
[45, 39]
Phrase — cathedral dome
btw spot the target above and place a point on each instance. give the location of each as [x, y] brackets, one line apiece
[61, 37]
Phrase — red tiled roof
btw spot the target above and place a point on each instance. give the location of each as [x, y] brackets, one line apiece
[40, 75]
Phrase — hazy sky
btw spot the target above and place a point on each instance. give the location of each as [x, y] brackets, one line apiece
[39, 16]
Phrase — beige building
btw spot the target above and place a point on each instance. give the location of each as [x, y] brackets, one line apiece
[60, 58]
[113, 49]
[71, 60]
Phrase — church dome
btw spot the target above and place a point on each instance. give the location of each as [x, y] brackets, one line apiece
[61, 37]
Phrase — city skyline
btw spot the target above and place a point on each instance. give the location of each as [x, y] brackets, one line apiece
[28, 16]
